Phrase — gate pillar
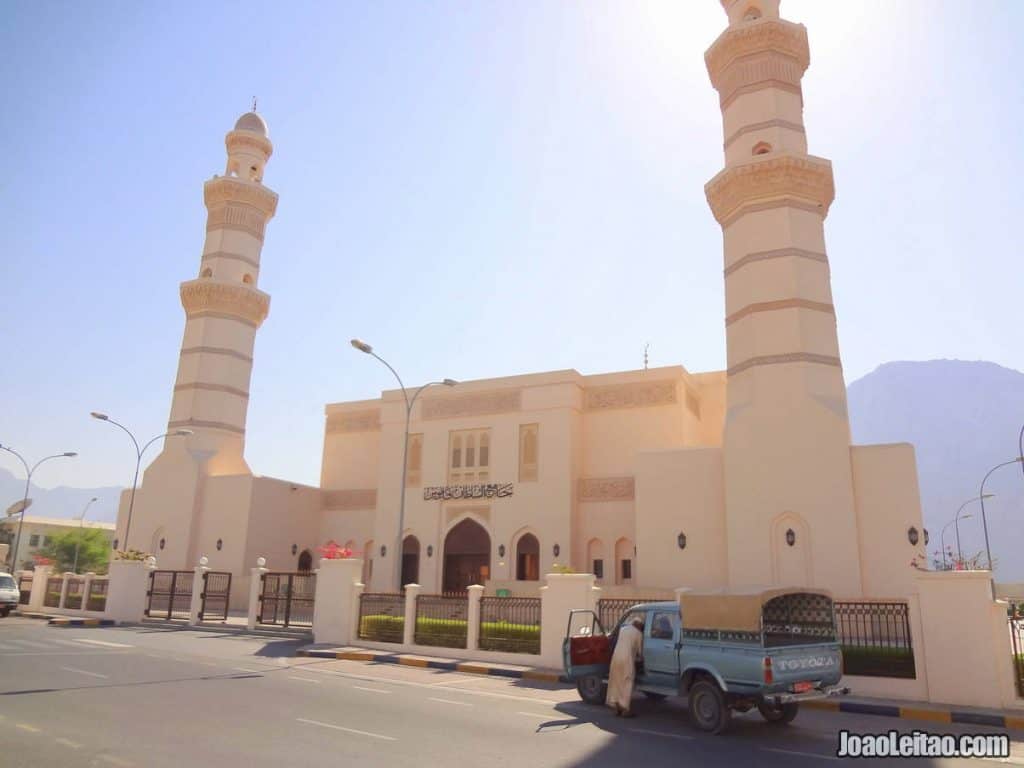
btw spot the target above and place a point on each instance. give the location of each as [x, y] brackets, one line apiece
[195, 607]
[40, 578]
[336, 607]
[126, 595]
[563, 593]
[255, 589]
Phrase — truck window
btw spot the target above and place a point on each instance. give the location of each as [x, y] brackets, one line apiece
[661, 626]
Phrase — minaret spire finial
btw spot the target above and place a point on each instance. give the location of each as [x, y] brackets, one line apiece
[648, 344]
[253, 103]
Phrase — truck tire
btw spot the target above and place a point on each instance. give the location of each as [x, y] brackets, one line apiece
[781, 714]
[708, 709]
[592, 689]
[5, 611]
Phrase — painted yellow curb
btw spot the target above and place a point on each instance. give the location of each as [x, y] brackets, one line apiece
[356, 655]
[935, 715]
[475, 669]
[1017, 723]
[407, 662]
[535, 674]
[831, 706]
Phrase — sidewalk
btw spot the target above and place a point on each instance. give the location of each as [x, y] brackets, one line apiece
[859, 705]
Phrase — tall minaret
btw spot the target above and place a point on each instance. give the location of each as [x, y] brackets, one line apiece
[223, 307]
[790, 511]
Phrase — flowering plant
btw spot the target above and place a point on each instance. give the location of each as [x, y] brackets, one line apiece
[332, 551]
[40, 560]
[130, 554]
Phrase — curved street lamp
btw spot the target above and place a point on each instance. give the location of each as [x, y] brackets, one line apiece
[365, 348]
[942, 536]
[28, 481]
[81, 526]
[138, 460]
[958, 517]
[981, 496]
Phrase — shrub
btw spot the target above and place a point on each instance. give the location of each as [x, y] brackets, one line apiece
[513, 638]
[385, 629]
[441, 632]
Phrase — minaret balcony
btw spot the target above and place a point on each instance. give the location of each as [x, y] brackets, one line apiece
[207, 296]
[766, 52]
[229, 190]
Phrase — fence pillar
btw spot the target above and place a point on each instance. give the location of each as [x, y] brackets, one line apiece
[412, 591]
[473, 617]
[86, 586]
[335, 612]
[198, 589]
[64, 589]
[40, 578]
[255, 589]
[126, 595]
[564, 593]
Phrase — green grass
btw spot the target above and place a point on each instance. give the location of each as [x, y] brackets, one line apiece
[494, 636]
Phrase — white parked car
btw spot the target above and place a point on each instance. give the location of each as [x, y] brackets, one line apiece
[9, 594]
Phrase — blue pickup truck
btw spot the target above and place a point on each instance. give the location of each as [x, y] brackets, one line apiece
[724, 651]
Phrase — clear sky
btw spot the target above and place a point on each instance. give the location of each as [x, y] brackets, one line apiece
[477, 189]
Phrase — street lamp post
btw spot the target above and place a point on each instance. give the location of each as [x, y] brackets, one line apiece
[981, 496]
[362, 346]
[138, 461]
[81, 527]
[28, 481]
[956, 523]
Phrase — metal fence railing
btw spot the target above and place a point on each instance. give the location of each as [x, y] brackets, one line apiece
[287, 599]
[96, 600]
[24, 588]
[216, 596]
[875, 639]
[510, 624]
[442, 620]
[54, 584]
[382, 616]
[76, 588]
[611, 609]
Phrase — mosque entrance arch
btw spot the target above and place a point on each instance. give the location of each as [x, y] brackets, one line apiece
[467, 556]
[305, 561]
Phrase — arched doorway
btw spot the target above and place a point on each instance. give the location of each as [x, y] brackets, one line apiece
[305, 561]
[467, 556]
[410, 561]
[528, 558]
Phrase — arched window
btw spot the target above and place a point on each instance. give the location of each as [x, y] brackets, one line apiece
[624, 556]
[753, 14]
[761, 148]
[595, 558]
[528, 558]
[247, 278]
[207, 272]
[305, 561]
[410, 561]
[470, 450]
[368, 562]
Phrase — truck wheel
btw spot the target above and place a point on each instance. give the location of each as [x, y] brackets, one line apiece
[5, 611]
[592, 689]
[707, 707]
[781, 714]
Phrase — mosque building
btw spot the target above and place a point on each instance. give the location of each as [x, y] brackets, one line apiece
[654, 478]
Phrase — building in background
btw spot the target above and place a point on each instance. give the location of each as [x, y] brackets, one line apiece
[36, 533]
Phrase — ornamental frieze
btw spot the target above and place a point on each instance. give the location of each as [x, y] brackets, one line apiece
[481, 491]
[472, 404]
[227, 189]
[209, 295]
[238, 216]
[782, 37]
[354, 421]
[607, 489]
[778, 177]
[351, 499]
[637, 395]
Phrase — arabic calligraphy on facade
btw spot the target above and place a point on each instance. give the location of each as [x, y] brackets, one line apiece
[484, 491]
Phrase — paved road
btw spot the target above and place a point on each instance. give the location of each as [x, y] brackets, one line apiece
[153, 697]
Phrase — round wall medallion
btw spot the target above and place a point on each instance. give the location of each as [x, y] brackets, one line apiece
[681, 540]
[430, 550]
[501, 550]
[383, 550]
[913, 535]
[790, 537]
[556, 549]
[220, 544]
[163, 543]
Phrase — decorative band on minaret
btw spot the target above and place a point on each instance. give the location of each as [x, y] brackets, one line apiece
[223, 306]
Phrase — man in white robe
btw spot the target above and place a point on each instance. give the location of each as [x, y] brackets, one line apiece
[622, 675]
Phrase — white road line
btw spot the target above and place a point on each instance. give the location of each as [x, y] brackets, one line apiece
[27, 727]
[303, 679]
[58, 653]
[104, 643]
[534, 714]
[84, 672]
[661, 733]
[115, 760]
[68, 743]
[371, 690]
[801, 754]
[30, 643]
[346, 730]
[243, 669]
[449, 701]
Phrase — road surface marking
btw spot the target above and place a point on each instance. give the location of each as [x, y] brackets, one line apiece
[534, 714]
[371, 690]
[104, 643]
[83, 672]
[449, 701]
[27, 727]
[243, 669]
[303, 679]
[115, 760]
[347, 730]
[661, 733]
[801, 754]
[68, 743]
[466, 679]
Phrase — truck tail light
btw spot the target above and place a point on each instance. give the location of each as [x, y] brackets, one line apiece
[768, 676]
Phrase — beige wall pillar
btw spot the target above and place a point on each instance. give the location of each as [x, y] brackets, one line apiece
[412, 591]
[86, 586]
[40, 577]
[198, 588]
[129, 581]
[64, 589]
[335, 612]
[255, 587]
[476, 591]
[563, 593]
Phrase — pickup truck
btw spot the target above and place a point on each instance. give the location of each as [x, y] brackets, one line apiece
[724, 651]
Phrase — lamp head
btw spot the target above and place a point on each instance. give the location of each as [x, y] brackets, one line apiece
[362, 346]
[449, 382]
[100, 416]
[70, 454]
[183, 432]
[94, 498]
[965, 517]
[987, 495]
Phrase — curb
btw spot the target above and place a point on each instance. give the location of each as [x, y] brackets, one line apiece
[469, 667]
[62, 622]
[918, 713]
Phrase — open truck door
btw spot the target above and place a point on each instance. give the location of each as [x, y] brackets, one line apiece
[587, 655]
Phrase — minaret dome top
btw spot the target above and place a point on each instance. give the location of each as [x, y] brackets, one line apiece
[251, 121]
